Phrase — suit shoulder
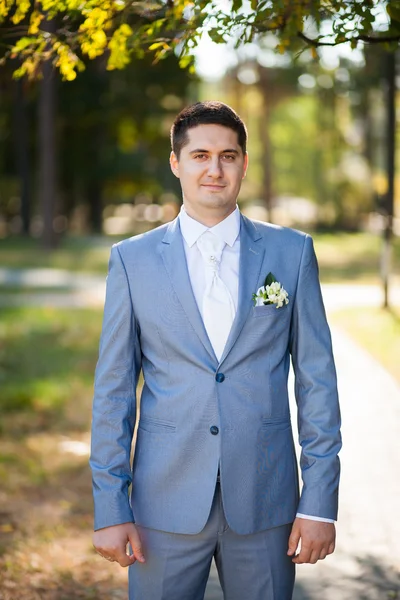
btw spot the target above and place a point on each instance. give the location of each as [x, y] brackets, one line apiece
[143, 240]
[280, 233]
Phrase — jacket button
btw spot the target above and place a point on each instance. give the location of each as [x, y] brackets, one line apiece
[220, 377]
[214, 430]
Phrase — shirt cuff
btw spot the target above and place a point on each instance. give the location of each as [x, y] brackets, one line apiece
[310, 518]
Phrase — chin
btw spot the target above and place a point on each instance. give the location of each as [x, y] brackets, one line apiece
[218, 197]
[216, 202]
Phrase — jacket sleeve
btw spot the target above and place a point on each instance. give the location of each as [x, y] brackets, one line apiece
[316, 393]
[114, 403]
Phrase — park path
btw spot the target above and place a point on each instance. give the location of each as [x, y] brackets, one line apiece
[68, 289]
[366, 564]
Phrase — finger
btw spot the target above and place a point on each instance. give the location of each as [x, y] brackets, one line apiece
[104, 553]
[304, 556]
[314, 557]
[331, 548]
[294, 540]
[322, 555]
[136, 545]
[124, 560]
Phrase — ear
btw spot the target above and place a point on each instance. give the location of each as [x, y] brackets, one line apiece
[174, 164]
[245, 165]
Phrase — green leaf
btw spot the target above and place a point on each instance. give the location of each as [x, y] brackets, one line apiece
[269, 279]
[185, 61]
[236, 5]
[216, 35]
[24, 42]
[156, 45]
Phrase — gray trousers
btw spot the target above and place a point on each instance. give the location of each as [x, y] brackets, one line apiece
[250, 567]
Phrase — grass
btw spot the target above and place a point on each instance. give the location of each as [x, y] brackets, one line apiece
[377, 330]
[78, 254]
[352, 257]
[28, 289]
[47, 361]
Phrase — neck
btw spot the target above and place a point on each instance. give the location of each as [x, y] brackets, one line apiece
[209, 220]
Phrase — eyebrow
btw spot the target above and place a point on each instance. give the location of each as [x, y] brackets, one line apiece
[230, 150]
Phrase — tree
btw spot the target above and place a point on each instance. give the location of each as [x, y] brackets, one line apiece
[90, 28]
[86, 29]
[114, 134]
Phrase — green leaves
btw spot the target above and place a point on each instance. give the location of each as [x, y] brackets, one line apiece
[271, 293]
[216, 35]
[91, 28]
[269, 279]
[236, 5]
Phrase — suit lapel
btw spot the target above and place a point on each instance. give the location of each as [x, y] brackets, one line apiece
[173, 254]
[251, 258]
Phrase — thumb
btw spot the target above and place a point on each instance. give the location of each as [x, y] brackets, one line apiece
[294, 540]
[136, 545]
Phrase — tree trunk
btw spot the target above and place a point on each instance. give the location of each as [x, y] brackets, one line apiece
[266, 88]
[47, 154]
[21, 128]
[94, 193]
[391, 156]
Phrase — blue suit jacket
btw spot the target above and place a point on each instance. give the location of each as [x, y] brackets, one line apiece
[152, 323]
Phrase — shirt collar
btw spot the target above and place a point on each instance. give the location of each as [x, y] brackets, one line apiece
[227, 230]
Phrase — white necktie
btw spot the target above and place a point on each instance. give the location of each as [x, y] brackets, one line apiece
[218, 306]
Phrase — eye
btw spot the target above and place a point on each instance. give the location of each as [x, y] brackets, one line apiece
[229, 157]
[200, 156]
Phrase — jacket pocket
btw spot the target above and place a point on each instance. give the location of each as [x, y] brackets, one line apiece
[276, 422]
[267, 310]
[152, 425]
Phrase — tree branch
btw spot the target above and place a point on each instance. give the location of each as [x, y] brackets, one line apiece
[359, 38]
[377, 40]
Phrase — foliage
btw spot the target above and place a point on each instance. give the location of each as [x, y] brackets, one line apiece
[71, 31]
[112, 136]
[327, 170]
[117, 125]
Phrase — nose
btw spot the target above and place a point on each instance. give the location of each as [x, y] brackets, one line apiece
[214, 168]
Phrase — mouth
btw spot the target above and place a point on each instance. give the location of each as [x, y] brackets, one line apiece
[213, 187]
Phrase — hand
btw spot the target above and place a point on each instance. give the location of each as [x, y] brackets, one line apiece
[317, 540]
[111, 543]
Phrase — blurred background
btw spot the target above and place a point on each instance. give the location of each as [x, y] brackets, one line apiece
[84, 164]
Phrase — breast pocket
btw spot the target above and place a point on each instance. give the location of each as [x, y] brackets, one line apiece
[268, 310]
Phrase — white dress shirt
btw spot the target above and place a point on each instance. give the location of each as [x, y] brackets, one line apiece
[228, 231]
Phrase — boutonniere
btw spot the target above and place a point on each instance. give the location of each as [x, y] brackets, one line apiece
[271, 292]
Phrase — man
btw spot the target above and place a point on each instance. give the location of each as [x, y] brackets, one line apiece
[214, 471]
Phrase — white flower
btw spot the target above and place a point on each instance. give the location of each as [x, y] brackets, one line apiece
[260, 296]
[271, 294]
[274, 287]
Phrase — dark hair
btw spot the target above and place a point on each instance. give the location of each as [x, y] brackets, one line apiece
[210, 112]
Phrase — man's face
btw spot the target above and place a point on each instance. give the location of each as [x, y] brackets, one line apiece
[211, 167]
